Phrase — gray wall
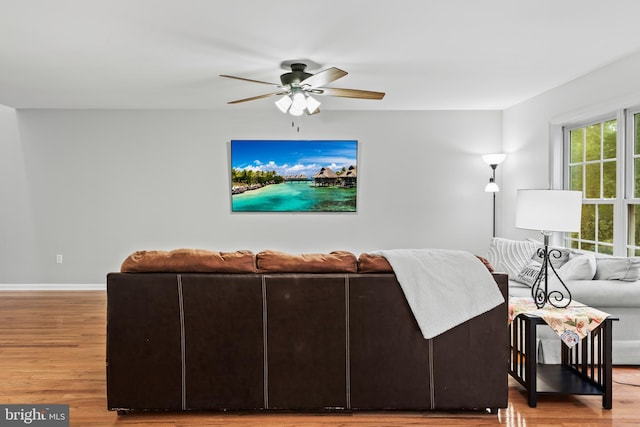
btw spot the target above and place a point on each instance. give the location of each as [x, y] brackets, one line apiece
[533, 129]
[97, 185]
[17, 232]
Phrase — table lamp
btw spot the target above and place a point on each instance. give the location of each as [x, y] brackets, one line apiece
[549, 211]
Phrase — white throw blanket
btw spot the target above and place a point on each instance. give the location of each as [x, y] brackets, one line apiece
[444, 287]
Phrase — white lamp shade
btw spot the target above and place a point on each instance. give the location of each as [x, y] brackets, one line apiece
[549, 210]
[298, 101]
[284, 103]
[494, 159]
[312, 104]
[298, 104]
[492, 187]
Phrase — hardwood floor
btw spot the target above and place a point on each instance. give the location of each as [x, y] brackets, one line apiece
[52, 350]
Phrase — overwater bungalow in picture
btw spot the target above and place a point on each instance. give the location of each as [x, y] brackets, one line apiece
[325, 178]
[349, 178]
[328, 178]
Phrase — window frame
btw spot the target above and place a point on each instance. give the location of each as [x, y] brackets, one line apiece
[630, 178]
[625, 180]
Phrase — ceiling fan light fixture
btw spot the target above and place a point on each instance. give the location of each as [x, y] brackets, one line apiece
[284, 103]
[298, 101]
[295, 111]
[312, 104]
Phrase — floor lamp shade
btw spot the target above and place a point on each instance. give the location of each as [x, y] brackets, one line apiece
[549, 210]
[494, 159]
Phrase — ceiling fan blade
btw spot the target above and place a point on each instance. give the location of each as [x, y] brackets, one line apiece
[351, 93]
[249, 80]
[324, 77]
[253, 98]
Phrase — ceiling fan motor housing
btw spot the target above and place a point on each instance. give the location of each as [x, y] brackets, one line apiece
[296, 76]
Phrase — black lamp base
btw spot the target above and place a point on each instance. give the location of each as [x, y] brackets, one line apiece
[540, 291]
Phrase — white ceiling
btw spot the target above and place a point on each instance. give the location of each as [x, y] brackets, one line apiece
[425, 54]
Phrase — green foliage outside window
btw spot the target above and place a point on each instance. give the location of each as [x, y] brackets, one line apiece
[592, 170]
[588, 226]
[605, 223]
[609, 139]
[576, 145]
[593, 142]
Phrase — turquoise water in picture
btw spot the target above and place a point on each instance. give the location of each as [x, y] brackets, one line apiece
[295, 197]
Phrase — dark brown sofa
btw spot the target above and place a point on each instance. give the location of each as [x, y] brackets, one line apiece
[297, 341]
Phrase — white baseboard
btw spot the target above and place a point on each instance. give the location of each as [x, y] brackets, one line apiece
[53, 287]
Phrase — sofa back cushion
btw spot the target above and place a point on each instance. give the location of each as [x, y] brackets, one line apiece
[618, 268]
[270, 261]
[189, 261]
[510, 256]
[370, 263]
[579, 267]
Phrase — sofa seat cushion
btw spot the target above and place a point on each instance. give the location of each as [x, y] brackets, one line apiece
[595, 293]
[270, 261]
[189, 261]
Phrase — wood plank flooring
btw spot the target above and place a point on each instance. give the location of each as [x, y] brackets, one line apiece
[52, 350]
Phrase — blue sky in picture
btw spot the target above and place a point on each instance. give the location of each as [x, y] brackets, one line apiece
[293, 157]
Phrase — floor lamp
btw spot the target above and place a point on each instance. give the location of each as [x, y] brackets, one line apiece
[549, 211]
[493, 160]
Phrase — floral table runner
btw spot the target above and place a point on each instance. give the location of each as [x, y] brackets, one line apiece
[571, 323]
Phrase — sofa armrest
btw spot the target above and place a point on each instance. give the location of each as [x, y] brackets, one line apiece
[502, 279]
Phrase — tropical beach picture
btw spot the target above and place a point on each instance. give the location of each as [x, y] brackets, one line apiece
[294, 175]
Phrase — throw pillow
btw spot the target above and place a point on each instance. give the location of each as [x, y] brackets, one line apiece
[510, 256]
[529, 273]
[581, 267]
[558, 257]
[618, 268]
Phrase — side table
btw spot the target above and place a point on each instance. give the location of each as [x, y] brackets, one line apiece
[585, 368]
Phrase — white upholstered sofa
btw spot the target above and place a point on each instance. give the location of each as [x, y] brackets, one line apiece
[610, 284]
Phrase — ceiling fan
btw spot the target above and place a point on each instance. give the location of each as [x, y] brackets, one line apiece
[297, 86]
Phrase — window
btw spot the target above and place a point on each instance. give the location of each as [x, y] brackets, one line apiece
[592, 166]
[602, 159]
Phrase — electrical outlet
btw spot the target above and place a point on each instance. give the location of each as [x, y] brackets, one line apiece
[59, 258]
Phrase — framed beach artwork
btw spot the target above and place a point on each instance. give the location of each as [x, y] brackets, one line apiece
[294, 175]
